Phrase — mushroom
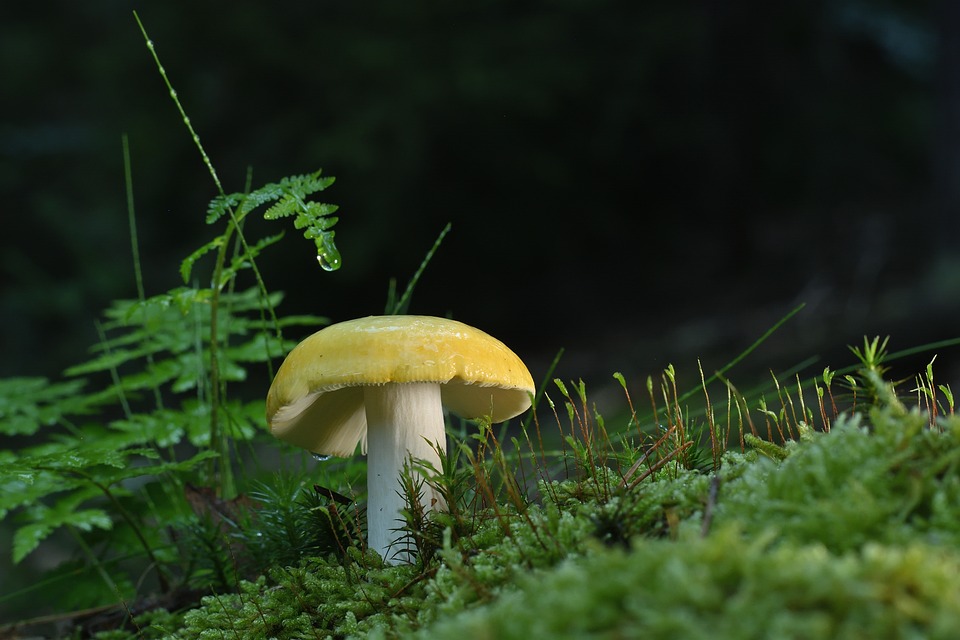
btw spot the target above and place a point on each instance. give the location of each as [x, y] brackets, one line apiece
[382, 382]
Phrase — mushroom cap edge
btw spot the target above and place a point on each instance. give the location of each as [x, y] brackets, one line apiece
[316, 399]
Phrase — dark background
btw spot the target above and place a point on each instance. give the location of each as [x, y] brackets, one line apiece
[639, 183]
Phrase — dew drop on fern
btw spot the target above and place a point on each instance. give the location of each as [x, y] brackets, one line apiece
[327, 253]
[329, 260]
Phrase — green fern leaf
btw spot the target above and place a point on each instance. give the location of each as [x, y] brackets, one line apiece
[287, 206]
[304, 320]
[186, 267]
[244, 261]
[163, 427]
[28, 537]
[250, 300]
[28, 404]
[57, 458]
[290, 199]
[183, 299]
[113, 476]
[266, 193]
[219, 206]
[155, 375]
[314, 218]
[196, 421]
[306, 184]
[261, 348]
[20, 486]
[297, 187]
[107, 361]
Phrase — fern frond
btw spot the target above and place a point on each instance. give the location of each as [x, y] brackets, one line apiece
[219, 206]
[289, 198]
[107, 361]
[243, 261]
[267, 193]
[297, 187]
[112, 477]
[315, 218]
[183, 299]
[23, 485]
[303, 320]
[287, 206]
[306, 184]
[186, 267]
[28, 404]
[28, 537]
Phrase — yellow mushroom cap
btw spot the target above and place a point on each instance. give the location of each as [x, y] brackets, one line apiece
[316, 399]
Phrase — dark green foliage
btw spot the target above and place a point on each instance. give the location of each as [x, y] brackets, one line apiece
[133, 454]
[294, 520]
[29, 404]
[169, 337]
[277, 522]
[76, 485]
[152, 365]
[148, 410]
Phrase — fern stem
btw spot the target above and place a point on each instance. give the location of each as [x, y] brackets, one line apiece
[131, 217]
[135, 246]
[97, 565]
[266, 307]
[217, 440]
[214, 343]
[114, 374]
[162, 577]
[137, 531]
[176, 101]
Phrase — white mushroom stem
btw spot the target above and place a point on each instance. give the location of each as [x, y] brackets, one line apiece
[404, 421]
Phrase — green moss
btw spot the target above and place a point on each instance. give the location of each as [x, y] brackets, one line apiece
[725, 587]
[852, 534]
[893, 481]
[319, 595]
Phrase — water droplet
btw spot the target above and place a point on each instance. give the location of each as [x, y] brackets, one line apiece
[327, 253]
[329, 261]
[319, 457]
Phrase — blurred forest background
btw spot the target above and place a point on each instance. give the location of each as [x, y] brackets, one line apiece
[639, 183]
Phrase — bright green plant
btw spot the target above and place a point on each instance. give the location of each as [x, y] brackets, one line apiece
[109, 456]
